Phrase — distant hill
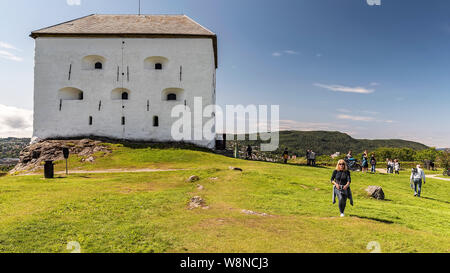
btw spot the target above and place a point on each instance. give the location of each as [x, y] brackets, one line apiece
[328, 143]
[11, 147]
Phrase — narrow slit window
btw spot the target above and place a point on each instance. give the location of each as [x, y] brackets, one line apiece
[123, 120]
[155, 121]
[91, 120]
[80, 96]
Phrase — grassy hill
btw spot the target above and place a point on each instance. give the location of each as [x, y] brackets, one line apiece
[11, 147]
[327, 143]
[148, 211]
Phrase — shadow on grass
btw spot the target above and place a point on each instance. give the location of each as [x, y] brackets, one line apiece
[429, 198]
[373, 219]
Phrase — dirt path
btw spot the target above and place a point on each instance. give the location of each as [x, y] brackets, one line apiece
[435, 176]
[110, 171]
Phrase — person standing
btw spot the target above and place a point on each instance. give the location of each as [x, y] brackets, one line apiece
[417, 178]
[373, 163]
[341, 179]
[249, 152]
[312, 157]
[286, 155]
[308, 160]
[396, 166]
[365, 162]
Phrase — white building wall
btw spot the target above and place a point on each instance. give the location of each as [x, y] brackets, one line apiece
[55, 55]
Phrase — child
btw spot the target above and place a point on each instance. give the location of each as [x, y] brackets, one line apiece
[397, 166]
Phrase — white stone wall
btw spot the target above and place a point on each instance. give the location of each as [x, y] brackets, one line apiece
[55, 55]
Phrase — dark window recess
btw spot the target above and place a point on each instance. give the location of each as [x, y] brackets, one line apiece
[91, 120]
[148, 105]
[172, 97]
[158, 66]
[124, 96]
[155, 121]
[81, 96]
[123, 120]
[118, 71]
[60, 105]
[128, 73]
[98, 65]
[70, 71]
[100, 106]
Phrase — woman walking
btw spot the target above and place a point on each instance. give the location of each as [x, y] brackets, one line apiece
[341, 180]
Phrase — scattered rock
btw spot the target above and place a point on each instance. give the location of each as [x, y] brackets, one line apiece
[375, 192]
[193, 178]
[39, 151]
[249, 212]
[200, 187]
[214, 178]
[90, 159]
[236, 169]
[197, 202]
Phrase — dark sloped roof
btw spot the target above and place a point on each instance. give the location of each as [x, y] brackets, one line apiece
[103, 25]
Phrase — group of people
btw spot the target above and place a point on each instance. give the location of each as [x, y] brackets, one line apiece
[341, 180]
[311, 158]
[393, 166]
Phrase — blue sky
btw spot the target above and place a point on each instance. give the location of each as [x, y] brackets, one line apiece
[370, 71]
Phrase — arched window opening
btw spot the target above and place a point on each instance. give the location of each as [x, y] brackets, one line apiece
[155, 121]
[91, 120]
[173, 94]
[93, 62]
[70, 93]
[172, 97]
[156, 63]
[120, 94]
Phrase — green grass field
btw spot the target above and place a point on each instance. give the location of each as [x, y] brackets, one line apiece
[148, 212]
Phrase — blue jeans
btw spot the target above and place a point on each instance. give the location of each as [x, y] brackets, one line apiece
[374, 168]
[418, 187]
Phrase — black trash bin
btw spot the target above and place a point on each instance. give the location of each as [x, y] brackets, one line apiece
[49, 170]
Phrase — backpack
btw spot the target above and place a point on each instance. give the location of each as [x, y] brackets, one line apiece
[414, 171]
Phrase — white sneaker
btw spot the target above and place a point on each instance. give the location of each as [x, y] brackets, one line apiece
[342, 215]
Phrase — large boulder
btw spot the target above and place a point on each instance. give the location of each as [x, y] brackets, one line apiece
[375, 192]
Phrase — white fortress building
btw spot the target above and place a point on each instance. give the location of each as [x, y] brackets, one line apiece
[119, 76]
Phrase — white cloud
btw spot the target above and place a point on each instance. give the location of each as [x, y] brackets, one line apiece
[374, 84]
[8, 46]
[346, 89]
[73, 2]
[276, 54]
[355, 118]
[288, 52]
[291, 52]
[15, 122]
[9, 56]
